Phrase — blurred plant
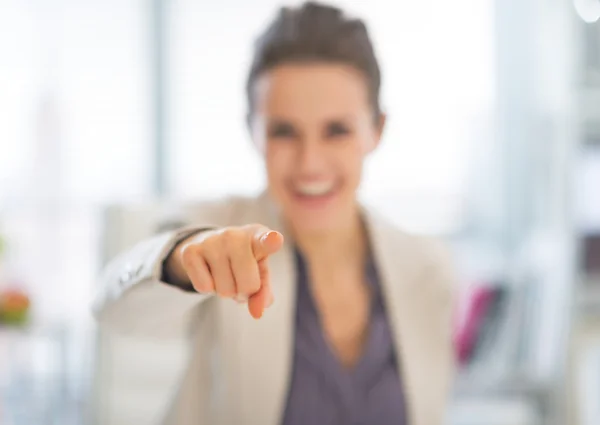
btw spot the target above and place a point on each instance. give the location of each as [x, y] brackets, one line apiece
[14, 307]
[14, 302]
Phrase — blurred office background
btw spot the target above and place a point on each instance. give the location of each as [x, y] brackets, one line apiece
[493, 144]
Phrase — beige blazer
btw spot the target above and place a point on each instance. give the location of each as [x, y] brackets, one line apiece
[239, 368]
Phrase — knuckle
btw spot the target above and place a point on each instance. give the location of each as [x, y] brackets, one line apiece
[215, 255]
[189, 255]
[212, 249]
[234, 239]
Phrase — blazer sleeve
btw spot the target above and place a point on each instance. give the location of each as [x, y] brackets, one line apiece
[134, 300]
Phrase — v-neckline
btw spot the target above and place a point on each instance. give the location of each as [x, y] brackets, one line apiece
[357, 369]
[407, 291]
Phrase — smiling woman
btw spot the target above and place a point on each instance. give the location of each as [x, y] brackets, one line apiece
[353, 311]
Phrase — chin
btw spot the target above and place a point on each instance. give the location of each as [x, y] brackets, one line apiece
[316, 218]
[316, 212]
[312, 227]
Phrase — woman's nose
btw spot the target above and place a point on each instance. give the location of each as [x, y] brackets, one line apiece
[312, 155]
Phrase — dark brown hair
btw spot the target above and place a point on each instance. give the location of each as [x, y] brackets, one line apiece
[316, 32]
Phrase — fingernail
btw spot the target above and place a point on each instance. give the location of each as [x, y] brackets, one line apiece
[264, 237]
[241, 298]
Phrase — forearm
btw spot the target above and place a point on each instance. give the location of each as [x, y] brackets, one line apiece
[135, 299]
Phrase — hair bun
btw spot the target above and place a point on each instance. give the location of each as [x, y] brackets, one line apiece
[320, 33]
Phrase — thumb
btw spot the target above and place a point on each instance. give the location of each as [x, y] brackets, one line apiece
[265, 243]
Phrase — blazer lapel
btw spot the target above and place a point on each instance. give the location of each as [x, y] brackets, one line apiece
[267, 344]
[398, 270]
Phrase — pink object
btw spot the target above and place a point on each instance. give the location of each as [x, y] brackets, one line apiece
[476, 307]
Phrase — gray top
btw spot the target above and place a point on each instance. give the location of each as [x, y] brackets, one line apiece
[322, 390]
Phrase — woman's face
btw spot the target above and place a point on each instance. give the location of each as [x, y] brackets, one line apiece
[314, 125]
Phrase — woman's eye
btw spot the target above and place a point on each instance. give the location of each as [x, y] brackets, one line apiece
[282, 131]
[337, 129]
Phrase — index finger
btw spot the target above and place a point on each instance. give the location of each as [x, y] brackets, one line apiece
[266, 242]
[264, 297]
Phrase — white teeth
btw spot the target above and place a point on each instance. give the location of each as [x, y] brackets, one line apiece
[315, 189]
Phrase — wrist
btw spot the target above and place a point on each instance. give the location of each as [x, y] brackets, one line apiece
[173, 271]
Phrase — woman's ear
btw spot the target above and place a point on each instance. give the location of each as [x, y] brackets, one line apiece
[379, 126]
[256, 137]
[381, 121]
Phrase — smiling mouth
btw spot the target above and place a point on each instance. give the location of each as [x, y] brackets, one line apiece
[315, 194]
[315, 189]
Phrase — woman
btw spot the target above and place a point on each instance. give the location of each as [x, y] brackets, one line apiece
[354, 315]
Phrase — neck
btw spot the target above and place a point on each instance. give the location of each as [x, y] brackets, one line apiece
[335, 247]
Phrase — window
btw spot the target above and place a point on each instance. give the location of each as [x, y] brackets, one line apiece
[437, 64]
[74, 133]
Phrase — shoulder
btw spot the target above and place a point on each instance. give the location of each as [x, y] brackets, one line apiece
[431, 257]
[427, 260]
[432, 254]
